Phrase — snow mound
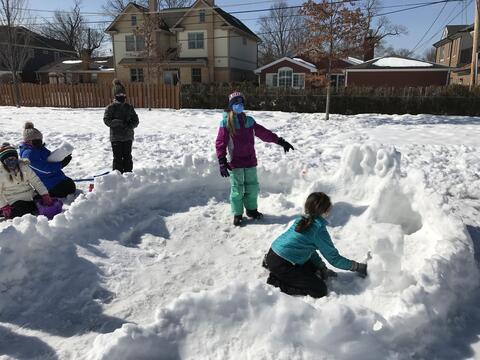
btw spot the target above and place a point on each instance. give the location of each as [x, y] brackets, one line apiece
[421, 269]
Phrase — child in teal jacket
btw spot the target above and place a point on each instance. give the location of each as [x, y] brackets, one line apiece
[294, 264]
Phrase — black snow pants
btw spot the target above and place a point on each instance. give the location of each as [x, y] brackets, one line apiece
[122, 156]
[21, 208]
[294, 279]
[63, 188]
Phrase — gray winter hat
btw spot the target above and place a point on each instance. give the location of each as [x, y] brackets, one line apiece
[118, 88]
[30, 133]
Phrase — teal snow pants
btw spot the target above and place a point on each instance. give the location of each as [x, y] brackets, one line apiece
[244, 189]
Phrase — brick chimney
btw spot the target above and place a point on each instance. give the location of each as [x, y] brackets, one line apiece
[152, 5]
[369, 48]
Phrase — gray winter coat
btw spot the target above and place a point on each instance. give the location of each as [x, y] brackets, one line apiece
[121, 119]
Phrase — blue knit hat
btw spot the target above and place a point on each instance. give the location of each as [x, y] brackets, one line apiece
[233, 97]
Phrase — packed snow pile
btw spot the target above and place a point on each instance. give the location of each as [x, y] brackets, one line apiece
[421, 268]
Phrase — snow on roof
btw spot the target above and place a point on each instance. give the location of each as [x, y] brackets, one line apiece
[68, 62]
[397, 62]
[354, 60]
[304, 62]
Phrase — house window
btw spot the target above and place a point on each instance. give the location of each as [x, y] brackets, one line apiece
[196, 75]
[201, 15]
[441, 52]
[45, 52]
[56, 55]
[136, 75]
[299, 81]
[134, 43]
[285, 77]
[195, 40]
[134, 20]
[271, 80]
[244, 40]
[337, 81]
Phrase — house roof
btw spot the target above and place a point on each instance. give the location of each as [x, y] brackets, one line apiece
[453, 32]
[233, 21]
[36, 40]
[99, 64]
[173, 16]
[387, 63]
[297, 61]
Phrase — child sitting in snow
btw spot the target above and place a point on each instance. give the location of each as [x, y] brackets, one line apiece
[294, 264]
[17, 182]
[51, 174]
[237, 134]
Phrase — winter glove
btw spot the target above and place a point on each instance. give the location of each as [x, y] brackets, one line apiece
[359, 268]
[224, 166]
[66, 161]
[47, 200]
[286, 145]
[7, 211]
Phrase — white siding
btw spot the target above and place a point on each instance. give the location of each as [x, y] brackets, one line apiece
[242, 56]
[185, 52]
[221, 48]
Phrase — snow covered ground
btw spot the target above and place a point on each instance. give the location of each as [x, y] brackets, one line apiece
[148, 266]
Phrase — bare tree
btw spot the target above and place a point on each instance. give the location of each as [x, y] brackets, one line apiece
[378, 28]
[335, 28]
[430, 55]
[281, 32]
[72, 28]
[14, 40]
[156, 53]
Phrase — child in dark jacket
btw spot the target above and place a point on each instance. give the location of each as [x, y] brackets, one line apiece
[121, 118]
[294, 264]
[51, 174]
[237, 135]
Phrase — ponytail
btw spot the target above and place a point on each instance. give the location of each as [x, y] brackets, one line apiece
[317, 204]
[304, 224]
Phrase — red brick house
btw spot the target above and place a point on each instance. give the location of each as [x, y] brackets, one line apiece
[396, 71]
[298, 73]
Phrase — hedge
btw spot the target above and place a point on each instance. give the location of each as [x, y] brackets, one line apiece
[450, 100]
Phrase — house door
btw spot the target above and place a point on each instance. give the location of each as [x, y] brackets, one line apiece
[170, 77]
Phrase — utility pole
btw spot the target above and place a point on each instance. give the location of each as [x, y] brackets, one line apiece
[474, 64]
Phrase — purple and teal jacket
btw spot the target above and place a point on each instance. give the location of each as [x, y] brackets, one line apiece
[241, 145]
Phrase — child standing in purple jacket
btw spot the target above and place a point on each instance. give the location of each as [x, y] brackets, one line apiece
[237, 136]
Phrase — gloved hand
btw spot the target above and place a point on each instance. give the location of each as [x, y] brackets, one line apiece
[359, 268]
[285, 144]
[66, 161]
[224, 166]
[7, 211]
[47, 200]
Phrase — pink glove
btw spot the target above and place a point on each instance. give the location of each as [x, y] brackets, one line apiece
[47, 200]
[7, 211]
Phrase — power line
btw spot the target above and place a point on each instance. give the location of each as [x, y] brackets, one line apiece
[429, 28]
[449, 20]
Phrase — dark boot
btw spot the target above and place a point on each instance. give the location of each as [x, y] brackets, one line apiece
[254, 214]
[237, 220]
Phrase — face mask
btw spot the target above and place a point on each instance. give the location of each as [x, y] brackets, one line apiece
[120, 99]
[11, 163]
[238, 108]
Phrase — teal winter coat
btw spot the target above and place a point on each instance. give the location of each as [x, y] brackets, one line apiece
[298, 248]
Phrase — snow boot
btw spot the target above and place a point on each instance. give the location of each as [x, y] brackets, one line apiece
[254, 214]
[237, 220]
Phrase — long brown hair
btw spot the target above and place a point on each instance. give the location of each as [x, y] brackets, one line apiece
[317, 204]
[230, 122]
[10, 172]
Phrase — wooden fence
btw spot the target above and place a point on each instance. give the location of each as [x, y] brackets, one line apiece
[90, 95]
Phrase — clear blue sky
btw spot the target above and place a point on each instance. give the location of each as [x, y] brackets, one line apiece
[417, 21]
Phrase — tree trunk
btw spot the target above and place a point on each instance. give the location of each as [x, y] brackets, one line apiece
[16, 90]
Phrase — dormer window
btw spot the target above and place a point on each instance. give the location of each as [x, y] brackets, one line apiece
[201, 15]
[134, 20]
